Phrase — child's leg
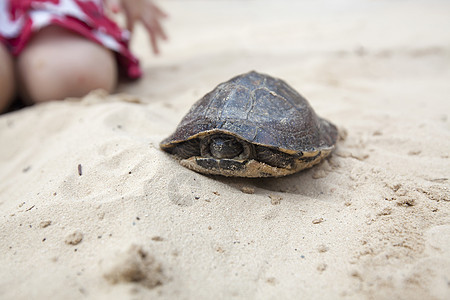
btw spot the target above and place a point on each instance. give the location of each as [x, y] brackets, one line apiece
[7, 81]
[57, 64]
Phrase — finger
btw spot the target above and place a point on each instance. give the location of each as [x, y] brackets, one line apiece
[154, 24]
[153, 38]
[157, 28]
[154, 44]
[130, 20]
[159, 12]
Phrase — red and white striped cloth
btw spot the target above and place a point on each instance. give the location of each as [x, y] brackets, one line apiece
[20, 18]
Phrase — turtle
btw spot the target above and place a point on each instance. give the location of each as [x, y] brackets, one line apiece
[252, 125]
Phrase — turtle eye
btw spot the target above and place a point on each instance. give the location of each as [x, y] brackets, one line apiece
[225, 147]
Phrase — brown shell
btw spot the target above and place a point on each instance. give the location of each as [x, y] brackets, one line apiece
[261, 110]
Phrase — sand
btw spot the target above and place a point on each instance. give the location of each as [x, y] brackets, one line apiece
[91, 208]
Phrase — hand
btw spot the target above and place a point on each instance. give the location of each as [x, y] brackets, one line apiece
[144, 11]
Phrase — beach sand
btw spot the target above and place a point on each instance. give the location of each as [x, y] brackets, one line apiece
[90, 207]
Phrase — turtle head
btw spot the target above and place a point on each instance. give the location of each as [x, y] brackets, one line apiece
[225, 147]
[216, 146]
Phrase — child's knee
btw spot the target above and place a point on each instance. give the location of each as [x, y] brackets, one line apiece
[59, 64]
[7, 82]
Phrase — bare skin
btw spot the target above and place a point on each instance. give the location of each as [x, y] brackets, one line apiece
[58, 63]
[7, 82]
[145, 12]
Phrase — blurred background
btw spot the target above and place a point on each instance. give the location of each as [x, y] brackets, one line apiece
[333, 44]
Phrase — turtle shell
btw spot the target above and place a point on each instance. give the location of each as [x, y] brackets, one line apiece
[260, 110]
